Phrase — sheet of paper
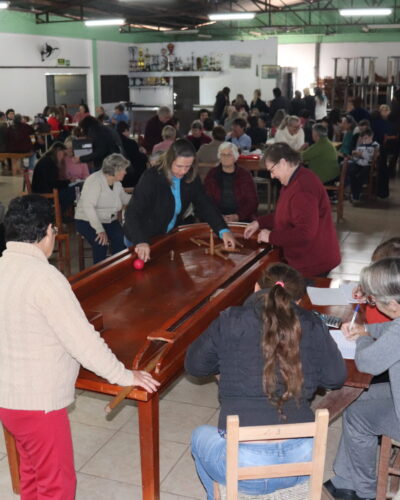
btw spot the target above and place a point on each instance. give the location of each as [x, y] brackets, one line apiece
[347, 289]
[346, 347]
[326, 296]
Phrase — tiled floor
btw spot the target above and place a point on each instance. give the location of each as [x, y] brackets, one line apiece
[107, 450]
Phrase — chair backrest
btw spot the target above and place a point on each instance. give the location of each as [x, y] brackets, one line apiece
[27, 181]
[57, 207]
[315, 468]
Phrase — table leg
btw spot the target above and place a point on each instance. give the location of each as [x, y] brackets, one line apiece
[13, 459]
[150, 447]
[338, 400]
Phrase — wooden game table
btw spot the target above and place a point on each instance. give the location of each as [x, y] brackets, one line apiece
[150, 317]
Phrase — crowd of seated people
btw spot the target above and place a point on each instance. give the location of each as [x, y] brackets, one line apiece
[323, 139]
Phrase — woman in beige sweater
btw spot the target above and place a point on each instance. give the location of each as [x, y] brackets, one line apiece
[44, 337]
[102, 197]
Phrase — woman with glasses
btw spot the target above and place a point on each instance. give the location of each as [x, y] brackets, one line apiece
[231, 187]
[376, 411]
[302, 222]
[44, 338]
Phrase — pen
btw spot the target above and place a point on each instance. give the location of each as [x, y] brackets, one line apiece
[353, 319]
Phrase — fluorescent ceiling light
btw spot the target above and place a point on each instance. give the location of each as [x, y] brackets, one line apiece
[383, 26]
[231, 16]
[105, 22]
[181, 32]
[4, 5]
[365, 12]
[150, 27]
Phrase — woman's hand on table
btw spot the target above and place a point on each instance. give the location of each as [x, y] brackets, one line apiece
[358, 294]
[145, 380]
[252, 228]
[228, 240]
[143, 251]
[263, 236]
[102, 238]
[356, 332]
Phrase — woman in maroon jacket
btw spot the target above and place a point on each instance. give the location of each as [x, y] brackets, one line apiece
[231, 187]
[302, 222]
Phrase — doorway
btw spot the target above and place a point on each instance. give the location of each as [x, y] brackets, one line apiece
[186, 94]
[66, 89]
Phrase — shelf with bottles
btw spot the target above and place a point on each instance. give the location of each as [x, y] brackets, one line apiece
[167, 62]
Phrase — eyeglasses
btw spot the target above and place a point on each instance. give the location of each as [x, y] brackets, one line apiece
[226, 155]
[273, 166]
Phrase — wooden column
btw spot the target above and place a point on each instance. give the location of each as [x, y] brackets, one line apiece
[150, 447]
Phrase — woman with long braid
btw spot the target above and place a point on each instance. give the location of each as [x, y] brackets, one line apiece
[271, 356]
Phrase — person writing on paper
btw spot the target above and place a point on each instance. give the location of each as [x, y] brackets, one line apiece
[270, 355]
[376, 411]
[45, 337]
[162, 197]
[302, 222]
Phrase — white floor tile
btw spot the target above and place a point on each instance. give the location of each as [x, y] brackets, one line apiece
[183, 479]
[89, 409]
[177, 420]
[87, 440]
[119, 459]
[97, 488]
[194, 391]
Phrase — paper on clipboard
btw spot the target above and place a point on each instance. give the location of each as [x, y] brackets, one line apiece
[332, 296]
[346, 347]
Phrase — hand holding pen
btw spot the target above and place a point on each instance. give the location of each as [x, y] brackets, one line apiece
[352, 330]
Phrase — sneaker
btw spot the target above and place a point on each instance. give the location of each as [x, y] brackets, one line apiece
[340, 493]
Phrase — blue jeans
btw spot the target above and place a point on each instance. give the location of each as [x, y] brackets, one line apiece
[114, 233]
[209, 453]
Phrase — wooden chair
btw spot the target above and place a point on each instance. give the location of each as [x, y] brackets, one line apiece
[62, 238]
[389, 465]
[372, 177]
[16, 161]
[315, 468]
[339, 189]
[204, 168]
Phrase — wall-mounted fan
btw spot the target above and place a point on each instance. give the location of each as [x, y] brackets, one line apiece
[49, 50]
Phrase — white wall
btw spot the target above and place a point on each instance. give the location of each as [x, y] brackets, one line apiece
[381, 50]
[302, 57]
[24, 89]
[242, 81]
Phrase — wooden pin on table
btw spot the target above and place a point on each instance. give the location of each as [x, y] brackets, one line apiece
[212, 248]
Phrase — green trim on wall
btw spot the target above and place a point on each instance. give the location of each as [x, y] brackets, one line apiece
[24, 23]
[96, 77]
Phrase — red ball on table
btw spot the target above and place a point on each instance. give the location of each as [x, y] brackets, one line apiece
[138, 264]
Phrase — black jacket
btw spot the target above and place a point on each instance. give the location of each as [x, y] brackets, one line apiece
[104, 144]
[260, 105]
[152, 206]
[278, 103]
[138, 161]
[221, 101]
[46, 176]
[231, 347]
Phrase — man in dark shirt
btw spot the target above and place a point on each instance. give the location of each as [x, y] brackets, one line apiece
[221, 101]
[296, 104]
[279, 102]
[152, 133]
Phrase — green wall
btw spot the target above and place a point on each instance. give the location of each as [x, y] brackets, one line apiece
[19, 22]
